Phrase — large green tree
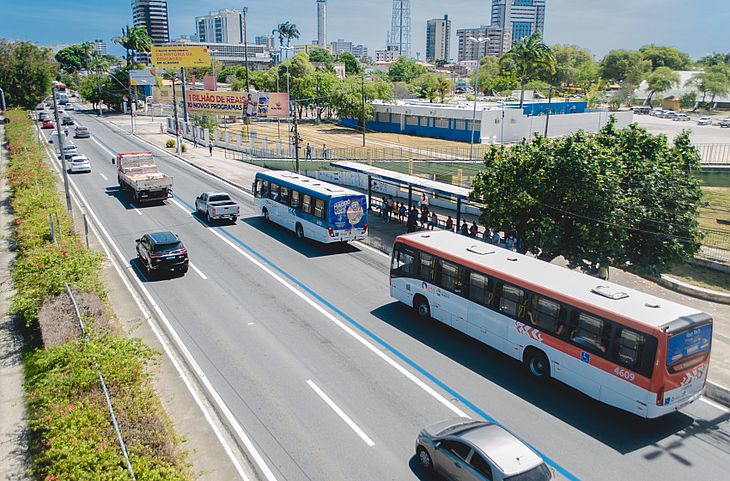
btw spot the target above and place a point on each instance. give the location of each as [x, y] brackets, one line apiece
[714, 80]
[405, 70]
[134, 40]
[26, 73]
[574, 66]
[661, 80]
[530, 57]
[346, 97]
[619, 197]
[625, 66]
[352, 65]
[320, 55]
[75, 58]
[662, 56]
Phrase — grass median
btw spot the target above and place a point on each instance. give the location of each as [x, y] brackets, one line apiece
[71, 434]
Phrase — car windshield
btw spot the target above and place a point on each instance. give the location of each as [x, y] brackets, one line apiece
[164, 248]
[538, 473]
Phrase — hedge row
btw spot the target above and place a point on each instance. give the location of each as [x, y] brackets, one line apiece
[72, 437]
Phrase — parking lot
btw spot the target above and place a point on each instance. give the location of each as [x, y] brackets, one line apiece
[701, 134]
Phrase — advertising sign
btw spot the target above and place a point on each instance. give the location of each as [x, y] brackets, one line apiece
[177, 56]
[238, 104]
[142, 77]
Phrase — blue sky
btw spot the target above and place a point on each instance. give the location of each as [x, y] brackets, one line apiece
[698, 27]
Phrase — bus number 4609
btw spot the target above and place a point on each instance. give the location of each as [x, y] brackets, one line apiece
[623, 373]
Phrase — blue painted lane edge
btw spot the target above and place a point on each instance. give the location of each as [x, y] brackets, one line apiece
[563, 471]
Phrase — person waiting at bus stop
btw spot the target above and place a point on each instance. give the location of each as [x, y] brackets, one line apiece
[464, 229]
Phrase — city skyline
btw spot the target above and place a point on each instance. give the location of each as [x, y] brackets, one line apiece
[597, 26]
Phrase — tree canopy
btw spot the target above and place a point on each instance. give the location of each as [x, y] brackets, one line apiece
[619, 197]
[530, 56]
[134, 40]
[26, 73]
[574, 66]
[662, 56]
[625, 66]
[75, 58]
[405, 70]
[661, 80]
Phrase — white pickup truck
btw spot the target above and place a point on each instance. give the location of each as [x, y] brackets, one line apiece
[217, 206]
[138, 175]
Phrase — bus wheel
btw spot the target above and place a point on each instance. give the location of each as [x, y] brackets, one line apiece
[265, 213]
[537, 363]
[423, 309]
[300, 231]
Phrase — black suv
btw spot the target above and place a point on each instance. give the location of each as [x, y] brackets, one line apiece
[162, 252]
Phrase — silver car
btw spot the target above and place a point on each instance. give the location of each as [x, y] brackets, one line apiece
[468, 450]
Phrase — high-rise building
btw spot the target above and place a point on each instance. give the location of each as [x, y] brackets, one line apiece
[267, 40]
[359, 51]
[498, 41]
[399, 37]
[223, 26]
[100, 47]
[322, 23]
[340, 46]
[152, 15]
[438, 39]
[524, 17]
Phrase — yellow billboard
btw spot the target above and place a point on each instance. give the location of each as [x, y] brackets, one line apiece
[177, 56]
[238, 104]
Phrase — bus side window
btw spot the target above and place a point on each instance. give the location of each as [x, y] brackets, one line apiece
[307, 204]
[284, 199]
[591, 333]
[319, 208]
[404, 262]
[511, 301]
[450, 278]
[426, 268]
[274, 194]
[259, 188]
[265, 189]
[479, 288]
[295, 199]
[546, 315]
[636, 351]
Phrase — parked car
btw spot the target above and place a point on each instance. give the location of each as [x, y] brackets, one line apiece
[705, 121]
[642, 110]
[725, 123]
[681, 118]
[67, 120]
[48, 124]
[217, 206]
[78, 163]
[82, 132]
[669, 114]
[656, 112]
[162, 252]
[465, 449]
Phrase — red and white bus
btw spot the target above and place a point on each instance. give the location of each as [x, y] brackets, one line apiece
[628, 349]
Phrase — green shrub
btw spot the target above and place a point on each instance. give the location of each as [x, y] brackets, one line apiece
[170, 144]
[183, 148]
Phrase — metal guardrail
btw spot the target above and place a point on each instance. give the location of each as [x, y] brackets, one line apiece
[117, 430]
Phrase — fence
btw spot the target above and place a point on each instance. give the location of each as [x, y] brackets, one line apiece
[715, 155]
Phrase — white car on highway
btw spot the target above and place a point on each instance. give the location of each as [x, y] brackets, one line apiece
[704, 121]
[79, 163]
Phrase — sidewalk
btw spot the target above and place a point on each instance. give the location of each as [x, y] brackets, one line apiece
[382, 235]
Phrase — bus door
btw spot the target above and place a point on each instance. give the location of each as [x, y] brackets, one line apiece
[453, 308]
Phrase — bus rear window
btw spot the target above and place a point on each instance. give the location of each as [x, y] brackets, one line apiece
[688, 344]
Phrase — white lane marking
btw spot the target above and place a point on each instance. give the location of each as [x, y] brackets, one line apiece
[341, 414]
[715, 405]
[103, 176]
[181, 346]
[372, 249]
[137, 210]
[293, 288]
[200, 273]
[250, 323]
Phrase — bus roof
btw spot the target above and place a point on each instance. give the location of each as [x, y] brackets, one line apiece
[308, 184]
[558, 282]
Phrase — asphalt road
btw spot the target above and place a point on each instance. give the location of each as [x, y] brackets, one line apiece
[332, 379]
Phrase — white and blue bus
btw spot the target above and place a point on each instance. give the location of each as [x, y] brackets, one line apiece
[311, 208]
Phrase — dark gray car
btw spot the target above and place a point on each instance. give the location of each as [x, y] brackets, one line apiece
[468, 450]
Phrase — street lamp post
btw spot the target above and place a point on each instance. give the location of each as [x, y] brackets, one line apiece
[61, 150]
[478, 42]
[245, 46]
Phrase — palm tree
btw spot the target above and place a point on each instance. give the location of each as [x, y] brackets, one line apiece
[661, 80]
[134, 39]
[529, 56]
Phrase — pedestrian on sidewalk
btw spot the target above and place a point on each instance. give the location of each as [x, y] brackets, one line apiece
[450, 224]
[424, 217]
[162, 129]
[412, 223]
[434, 221]
[486, 235]
[473, 230]
[309, 151]
[195, 142]
[210, 148]
[464, 229]
[401, 212]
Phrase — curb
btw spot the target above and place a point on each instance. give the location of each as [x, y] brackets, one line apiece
[690, 290]
[717, 393]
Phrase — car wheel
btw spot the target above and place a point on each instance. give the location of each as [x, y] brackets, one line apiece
[424, 459]
[265, 213]
[422, 308]
[300, 231]
[537, 364]
[234, 220]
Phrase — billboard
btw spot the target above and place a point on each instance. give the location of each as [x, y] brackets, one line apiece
[238, 104]
[142, 77]
[180, 56]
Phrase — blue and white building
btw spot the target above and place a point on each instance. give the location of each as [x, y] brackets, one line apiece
[524, 17]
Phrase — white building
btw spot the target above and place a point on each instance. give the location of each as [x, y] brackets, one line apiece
[359, 51]
[100, 47]
[223, 26]
[438, 39]
[391, 54]
[498, 42]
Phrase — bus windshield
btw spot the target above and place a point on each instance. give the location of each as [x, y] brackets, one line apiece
[687, 344]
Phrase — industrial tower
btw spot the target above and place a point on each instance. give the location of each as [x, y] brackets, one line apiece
[322, 23]
[400, 29]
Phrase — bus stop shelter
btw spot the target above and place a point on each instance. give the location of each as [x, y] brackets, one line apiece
[460, 195]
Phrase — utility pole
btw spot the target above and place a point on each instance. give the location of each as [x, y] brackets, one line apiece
[177, 122]
[245, 46]
[185, 103]
[61, 151]
[131, 104]
[547, 119]
[2, 97]
[296, 141]
[363, 109]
